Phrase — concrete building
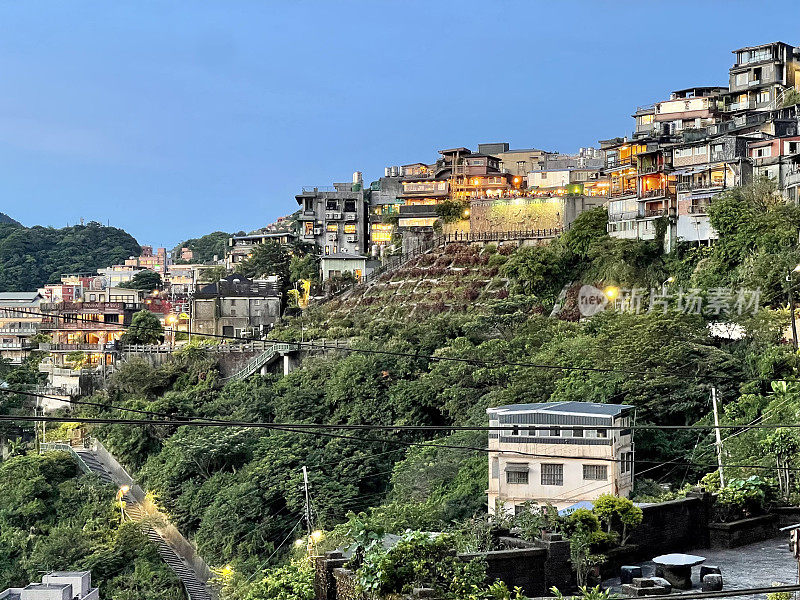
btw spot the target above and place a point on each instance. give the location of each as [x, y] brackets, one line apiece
[336, 265]
[19, 322]
[516, 162]
[335, 219]
[236, 306]
[537, 461]
[761, 75]
[778, 159]
[57, 585]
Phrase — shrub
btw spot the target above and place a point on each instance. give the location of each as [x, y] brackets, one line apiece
[581, 519]
[741, 498]
[618, 512]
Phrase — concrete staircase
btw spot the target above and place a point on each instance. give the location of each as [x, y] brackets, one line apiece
[91, 462]
[253, 365]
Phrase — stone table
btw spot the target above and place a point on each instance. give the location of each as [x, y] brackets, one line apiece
[677, 568]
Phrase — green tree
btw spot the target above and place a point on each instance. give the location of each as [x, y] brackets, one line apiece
[144, 280]
[145, 328]
[270, 258]
[204, 248]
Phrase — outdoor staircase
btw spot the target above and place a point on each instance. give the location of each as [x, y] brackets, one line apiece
[90, 462]
[259, 360]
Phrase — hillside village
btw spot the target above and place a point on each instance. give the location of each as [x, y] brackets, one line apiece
[492, 375]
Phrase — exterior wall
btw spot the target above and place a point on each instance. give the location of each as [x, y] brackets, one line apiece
[519, 162]
[334, 229]
[356, 267]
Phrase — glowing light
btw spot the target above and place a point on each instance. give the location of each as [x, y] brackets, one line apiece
[611, 292]
[299, 543]
[317, 535]
[124, 489]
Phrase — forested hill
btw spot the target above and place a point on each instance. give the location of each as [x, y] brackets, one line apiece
[33, 256]
[205, 248]
[4, 218]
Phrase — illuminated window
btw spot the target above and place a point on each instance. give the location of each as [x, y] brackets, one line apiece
[332, 228]
[350, 228]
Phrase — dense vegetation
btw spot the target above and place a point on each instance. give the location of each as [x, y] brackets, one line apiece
[205, 248]
[33, 256]
[238, 491]
[54, 518]
[4, 218]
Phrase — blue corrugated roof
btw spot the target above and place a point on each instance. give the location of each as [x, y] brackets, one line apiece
[586, 408]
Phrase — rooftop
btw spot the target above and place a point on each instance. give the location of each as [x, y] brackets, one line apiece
[584, 408]
[17, 297]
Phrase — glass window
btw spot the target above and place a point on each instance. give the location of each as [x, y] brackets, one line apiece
[577, 433]
[552, 474]
[517, 477]
[595, 472]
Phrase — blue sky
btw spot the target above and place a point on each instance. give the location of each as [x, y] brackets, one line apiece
[174, 119]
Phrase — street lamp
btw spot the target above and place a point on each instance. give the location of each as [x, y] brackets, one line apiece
[171, 320]
[668, 280]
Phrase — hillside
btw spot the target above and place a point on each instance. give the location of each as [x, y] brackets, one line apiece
[205, 248]
[33, 256]
[5, 219]
[436, 343]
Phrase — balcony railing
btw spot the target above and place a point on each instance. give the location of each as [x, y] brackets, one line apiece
[657, 193]
[625, 216]
[698, 209]
[417, 209]
[688, 186]
[18, 331]
[654, 212]
[746, 105]
[622, 193]
[644, 170]
[50, 347]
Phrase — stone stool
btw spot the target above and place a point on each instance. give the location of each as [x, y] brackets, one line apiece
[709, 570]
[660, 581]
[628, 572]
[712, 582]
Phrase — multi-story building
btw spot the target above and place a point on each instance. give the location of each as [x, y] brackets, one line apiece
[19, 321]
[778, 159]
[518, 162]
[541, 459]
[761, 75]
[236, 306]
[157, 262]
[335, 219]
[57, 585]
[240, 247]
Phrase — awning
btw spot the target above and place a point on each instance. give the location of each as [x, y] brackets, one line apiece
[517, 467]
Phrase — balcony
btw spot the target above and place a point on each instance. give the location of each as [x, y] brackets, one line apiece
[686, 186]
[622, 193]
[698, 209]
[15, 346]
[625, 216]
[658, 193]
[19, 331]
[746, 105]
[654, 212]
[427, 210]
[333, 216]
[647, 169]
[352, 238]
[50, 347]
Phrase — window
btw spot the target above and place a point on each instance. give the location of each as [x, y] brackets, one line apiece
[577, 433]
[791, 147]
[700, 150]
[515, 430]
[763, 96]
[762, 152]
[327, 250]
[331, 205]
[350, 206]
[555, 432]
[349, 227]
[308, 227]
[517, 473]
[595, 472]
[602, 433]
[552, 474]
[495, 468]
[742, 79]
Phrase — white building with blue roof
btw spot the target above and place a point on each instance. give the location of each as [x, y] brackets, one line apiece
[559, 452]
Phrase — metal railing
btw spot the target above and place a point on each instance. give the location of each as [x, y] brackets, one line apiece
[59, 347]
[255, 363]
[65, 447]
[657, 193]
[698, 209]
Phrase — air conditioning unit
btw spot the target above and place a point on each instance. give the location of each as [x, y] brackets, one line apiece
[333, 216]
[352, 238]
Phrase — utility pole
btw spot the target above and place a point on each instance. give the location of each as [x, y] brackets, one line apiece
[308, 502]
[718, 436]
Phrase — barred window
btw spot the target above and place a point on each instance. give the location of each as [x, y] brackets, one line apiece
[517, 477]
[517, 473]
[595, 472]
[552, 474]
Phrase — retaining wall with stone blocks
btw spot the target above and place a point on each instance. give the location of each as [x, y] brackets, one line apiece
[745, 531]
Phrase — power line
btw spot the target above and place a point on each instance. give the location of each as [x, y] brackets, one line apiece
[430, 357]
